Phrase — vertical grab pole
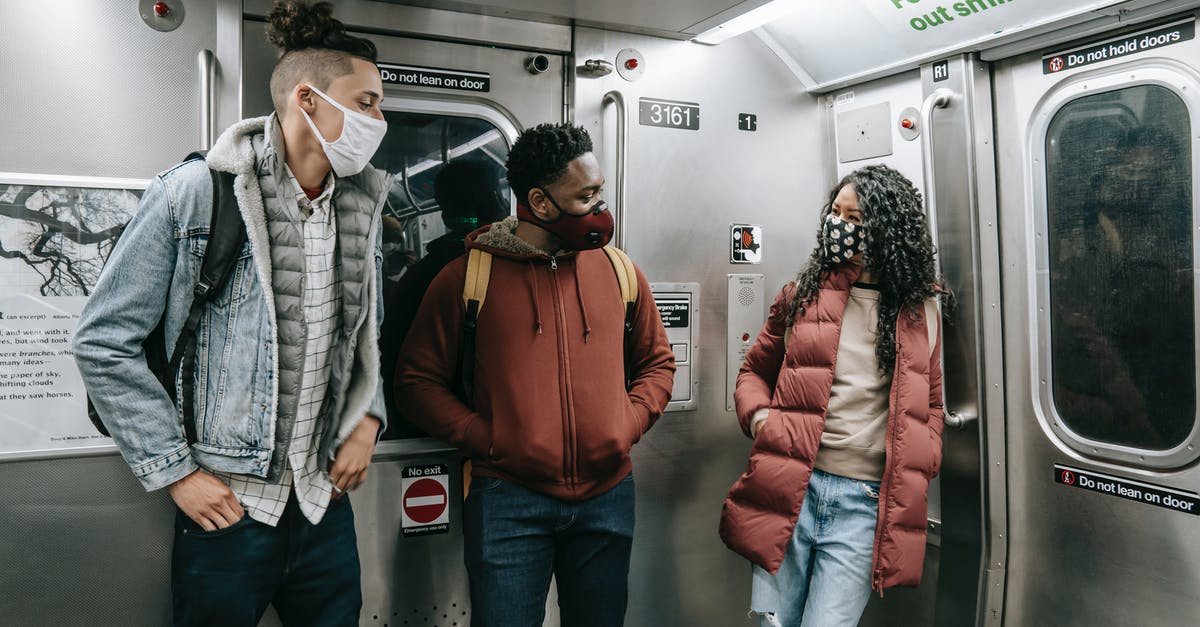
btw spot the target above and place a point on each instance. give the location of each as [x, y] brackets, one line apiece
[939, 99]
[618, 99]
[207, 64]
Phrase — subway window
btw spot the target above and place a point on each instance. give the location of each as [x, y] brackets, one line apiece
[1121, 269]
[415, 150]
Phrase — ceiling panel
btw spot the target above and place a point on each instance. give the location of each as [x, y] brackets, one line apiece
[864, 36]
[680, 17]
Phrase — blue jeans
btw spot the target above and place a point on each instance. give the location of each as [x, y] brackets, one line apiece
[227, 577]
[516, 538]
[825, 579]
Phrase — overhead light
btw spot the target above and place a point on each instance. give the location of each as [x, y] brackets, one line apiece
[747, 21]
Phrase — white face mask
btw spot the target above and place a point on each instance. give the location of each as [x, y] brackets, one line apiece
[361, 136]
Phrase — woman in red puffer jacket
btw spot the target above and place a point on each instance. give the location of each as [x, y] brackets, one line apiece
[842, 393]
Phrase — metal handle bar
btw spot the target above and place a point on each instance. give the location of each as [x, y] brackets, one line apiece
[207, 63]
[959, 420]
[939, 99]
[619, 215]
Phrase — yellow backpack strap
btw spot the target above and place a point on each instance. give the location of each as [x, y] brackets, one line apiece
[627, 280]
[479, 272]
[626, 275]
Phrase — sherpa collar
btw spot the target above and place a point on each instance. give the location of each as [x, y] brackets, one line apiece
[233, 151]
[501, 237]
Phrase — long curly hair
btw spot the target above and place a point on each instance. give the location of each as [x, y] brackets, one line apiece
[899, 252]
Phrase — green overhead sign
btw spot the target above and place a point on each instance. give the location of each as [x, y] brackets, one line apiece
[923, 15]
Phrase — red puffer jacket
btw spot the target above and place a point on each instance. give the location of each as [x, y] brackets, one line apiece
[762, 508]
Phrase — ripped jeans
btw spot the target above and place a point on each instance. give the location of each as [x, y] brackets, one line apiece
[825, 579]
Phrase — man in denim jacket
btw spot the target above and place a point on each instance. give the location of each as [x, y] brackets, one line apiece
[287, 397]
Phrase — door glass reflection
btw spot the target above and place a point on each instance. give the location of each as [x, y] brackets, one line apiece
[447, 170]
[1119, 201]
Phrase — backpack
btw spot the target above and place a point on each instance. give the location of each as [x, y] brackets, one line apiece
[226, 238]
[479, 272]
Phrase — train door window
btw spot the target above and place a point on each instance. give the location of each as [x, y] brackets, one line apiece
[448, 177]
[1120, 264]
[416, 150]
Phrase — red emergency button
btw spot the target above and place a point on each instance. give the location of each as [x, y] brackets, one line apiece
[745, 337]
[907, 123]
[631, 64]
[161, 9]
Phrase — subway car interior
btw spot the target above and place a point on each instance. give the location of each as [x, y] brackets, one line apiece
[1055, 146]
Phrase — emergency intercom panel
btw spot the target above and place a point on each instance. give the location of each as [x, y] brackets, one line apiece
[747, 312]
[679, 306]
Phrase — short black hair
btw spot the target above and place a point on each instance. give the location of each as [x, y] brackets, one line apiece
[469, 194]
[541, 155]
[313, 46]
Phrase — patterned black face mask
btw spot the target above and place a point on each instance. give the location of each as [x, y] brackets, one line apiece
[843, 239]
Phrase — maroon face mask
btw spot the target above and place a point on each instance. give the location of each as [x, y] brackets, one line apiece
[591, 230]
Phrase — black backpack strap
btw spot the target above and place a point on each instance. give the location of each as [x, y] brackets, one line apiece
[479, 272]
[226, 238]
[466, 373]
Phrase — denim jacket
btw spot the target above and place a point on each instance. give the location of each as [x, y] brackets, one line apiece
[152, 271]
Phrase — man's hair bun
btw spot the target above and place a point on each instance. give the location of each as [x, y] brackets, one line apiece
[298, 25]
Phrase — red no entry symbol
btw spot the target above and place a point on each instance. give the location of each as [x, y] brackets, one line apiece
[1068, 477]
[425, 501]
[1056, 64]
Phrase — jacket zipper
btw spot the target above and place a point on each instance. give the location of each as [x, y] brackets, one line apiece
[564, 380]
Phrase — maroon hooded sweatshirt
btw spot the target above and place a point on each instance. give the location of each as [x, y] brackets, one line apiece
[550, 410]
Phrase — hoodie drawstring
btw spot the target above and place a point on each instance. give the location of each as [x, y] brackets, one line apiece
[587, 327]
[537, 306]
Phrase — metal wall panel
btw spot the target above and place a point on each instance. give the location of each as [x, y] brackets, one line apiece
[902, 92]
[525, 99]
[90, 90]
[684, 189]
[83, 545]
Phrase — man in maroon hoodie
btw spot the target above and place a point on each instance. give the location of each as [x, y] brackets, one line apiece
[550, 418]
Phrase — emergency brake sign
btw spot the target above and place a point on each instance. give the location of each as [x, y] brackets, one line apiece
[425, 500]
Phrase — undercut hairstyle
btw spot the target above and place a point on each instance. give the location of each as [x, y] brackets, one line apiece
[541, 155]
[314, 47]
[899, 253]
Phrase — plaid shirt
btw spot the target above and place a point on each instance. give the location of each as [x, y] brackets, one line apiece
[264, 501]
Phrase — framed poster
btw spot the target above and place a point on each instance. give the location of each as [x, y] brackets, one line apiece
[55, 234]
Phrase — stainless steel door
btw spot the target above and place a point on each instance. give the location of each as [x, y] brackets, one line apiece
[1098, 235]
[421, 579]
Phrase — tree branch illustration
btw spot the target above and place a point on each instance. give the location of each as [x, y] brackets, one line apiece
[67, 233]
